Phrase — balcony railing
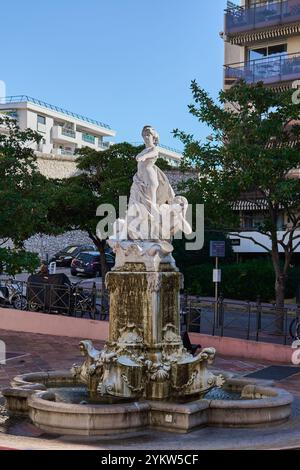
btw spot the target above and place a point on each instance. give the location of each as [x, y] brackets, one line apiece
[103, 145]
[63, 151]
[166, 147]
[259, 16]
[269, 70]
[88, 138]
[68, 132]
[25, 98]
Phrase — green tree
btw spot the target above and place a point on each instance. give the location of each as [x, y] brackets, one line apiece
[103, 177]
[252, 149]
[24, 196]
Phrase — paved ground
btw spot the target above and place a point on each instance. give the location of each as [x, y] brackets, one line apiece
[29, 352]
[32, 352]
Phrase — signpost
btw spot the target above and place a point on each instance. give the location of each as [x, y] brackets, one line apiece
[217, 250]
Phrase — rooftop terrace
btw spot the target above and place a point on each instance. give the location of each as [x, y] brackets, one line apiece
[24, 98]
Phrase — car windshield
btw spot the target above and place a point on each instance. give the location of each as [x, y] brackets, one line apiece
[86, 257]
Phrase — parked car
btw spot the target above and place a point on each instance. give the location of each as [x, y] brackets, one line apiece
[64, 257]
[88, 263]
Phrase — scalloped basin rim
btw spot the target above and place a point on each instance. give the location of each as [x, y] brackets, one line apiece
[279, 396]
[112, 419]
[37, 400]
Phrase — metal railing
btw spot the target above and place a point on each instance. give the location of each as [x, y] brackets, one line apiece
[103, 145]
[268, 69]
[68, 132]
[171, 149]
[24, 98]
[62, 151]
[258, 16]
[72, 300]
[166, 147]
[254, 321]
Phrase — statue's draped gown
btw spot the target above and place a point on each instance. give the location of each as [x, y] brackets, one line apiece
[154, 213]
[141, 193]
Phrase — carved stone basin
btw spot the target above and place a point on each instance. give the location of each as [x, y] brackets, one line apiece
[254, 404]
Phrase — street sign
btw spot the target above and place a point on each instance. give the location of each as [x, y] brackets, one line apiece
[217, 276]
[217, 249]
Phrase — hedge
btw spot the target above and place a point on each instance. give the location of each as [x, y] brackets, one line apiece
[243, 281]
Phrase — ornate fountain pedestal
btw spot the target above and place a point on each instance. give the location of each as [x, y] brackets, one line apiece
[144, 356]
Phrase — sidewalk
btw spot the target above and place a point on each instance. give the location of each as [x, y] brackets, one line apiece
[34, 352]
[30, 352]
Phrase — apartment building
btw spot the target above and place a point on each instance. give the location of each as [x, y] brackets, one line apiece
[262, 43]
[63, 132]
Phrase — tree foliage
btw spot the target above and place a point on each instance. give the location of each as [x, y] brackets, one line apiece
[252, 149]
[25, 195]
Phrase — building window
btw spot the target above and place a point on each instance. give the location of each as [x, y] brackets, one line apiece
[41, 119]
[273, 51]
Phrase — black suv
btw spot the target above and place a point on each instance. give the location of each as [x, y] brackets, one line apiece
[88, 263]
[65, 257]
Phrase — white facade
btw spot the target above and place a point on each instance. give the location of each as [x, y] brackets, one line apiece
[62, 133]
[243, 245]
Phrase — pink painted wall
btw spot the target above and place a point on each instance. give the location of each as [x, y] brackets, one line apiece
[56, 325]
[243, 349]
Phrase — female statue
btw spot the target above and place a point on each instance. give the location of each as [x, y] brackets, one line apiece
[151, 187]
[154, 213]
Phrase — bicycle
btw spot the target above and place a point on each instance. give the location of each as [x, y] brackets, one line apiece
[295, 329]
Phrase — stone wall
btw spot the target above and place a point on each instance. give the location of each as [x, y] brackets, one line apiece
[45, 245]
[64, 166]
[56, 166]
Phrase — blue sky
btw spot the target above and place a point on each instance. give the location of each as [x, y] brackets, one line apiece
[125, 62]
